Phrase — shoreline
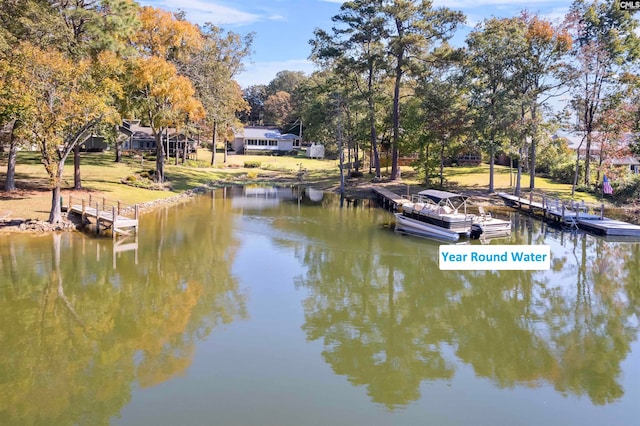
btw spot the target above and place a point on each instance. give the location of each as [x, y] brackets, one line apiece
[354, 189]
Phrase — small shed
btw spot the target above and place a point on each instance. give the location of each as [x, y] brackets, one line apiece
[315, 151]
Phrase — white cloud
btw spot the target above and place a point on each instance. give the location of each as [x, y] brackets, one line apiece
[201, 11]
[556, 14]
[263, 72]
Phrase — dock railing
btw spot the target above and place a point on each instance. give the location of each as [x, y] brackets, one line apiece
[113, 213]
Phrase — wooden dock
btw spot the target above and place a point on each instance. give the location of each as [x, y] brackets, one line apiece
[108, 215]
[390, 200]
[609, 227]
[574, 214]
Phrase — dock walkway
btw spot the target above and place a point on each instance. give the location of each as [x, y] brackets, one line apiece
[389, 199]
[575, 214]
[106, 214]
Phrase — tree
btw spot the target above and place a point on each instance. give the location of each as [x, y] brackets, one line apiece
[22, 20]
[92, 27]
[493, 50]
[357, 52]
[539, 71]
[255, 97]
[604, 43]
[65, 103]
[166, 99]
[414, 28]
[277, 108]
[212, 69]
[445, 111]
[286, 81]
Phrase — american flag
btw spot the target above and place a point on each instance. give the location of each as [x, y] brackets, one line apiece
[606, 186]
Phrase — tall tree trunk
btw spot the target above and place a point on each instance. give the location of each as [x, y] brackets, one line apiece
[214, 142]
[492, 161]
[224, 144]
[77, 182]
[10, 182]
[519, 173]
[55, 215]
[587, 160]
[159, 178]
[396, 122]
[532, 152]
[442, 145]
[118, 152]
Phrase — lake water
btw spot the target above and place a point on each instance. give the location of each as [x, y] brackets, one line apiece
[278, 307]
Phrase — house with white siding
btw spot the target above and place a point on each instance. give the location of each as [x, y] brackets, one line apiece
[264, 140]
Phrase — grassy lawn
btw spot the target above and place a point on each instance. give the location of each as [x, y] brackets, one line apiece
[102, 177]
[478, 178]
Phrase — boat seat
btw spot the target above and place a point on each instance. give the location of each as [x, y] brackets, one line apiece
[483, 214]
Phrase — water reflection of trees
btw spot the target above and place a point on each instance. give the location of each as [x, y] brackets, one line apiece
[78, 334]
[389, 318]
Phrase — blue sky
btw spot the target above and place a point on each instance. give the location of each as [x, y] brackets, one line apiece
[283, 28]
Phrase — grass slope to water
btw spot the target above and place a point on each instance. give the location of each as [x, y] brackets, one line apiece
[102, 177]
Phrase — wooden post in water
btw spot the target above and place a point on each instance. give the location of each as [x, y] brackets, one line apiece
[97, 218]
[113, 224]
[135, 230]
[601, 211]
[531, 201]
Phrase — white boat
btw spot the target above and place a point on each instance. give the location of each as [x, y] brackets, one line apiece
[486, 225]
[443, 209]
[416, 227]
[442, 214]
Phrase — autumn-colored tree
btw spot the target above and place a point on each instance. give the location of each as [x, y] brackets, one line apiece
[605, 42]
[166, 98]
[277, 108]
[65, 101]
[212, 69]
[163, 96]
[539, 72]
[21, 20]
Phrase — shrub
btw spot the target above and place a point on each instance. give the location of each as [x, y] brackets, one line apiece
[563, 172]
[252, 164]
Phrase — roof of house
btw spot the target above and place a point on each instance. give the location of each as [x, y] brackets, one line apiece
[264, 133]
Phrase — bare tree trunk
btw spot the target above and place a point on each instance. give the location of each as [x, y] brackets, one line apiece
[214, 142]
[587, 160]
[77, 182]
[159, 178]
[10, 182]
[396, 123]
[442, 145]
[532, 153]
[55, 216]
[492, 161]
